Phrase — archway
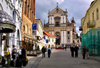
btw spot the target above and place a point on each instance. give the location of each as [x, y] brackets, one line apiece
[57, 38]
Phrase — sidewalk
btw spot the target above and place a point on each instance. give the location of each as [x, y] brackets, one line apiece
[32, 60]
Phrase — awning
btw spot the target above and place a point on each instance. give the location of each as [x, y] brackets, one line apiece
[6, 23]
[48, 34]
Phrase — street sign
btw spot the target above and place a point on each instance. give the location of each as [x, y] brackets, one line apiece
[34, 26]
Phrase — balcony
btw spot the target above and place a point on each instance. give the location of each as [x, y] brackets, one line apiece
[80, 28]
[91, 24]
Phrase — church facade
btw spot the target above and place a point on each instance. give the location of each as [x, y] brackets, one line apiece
[59, 25]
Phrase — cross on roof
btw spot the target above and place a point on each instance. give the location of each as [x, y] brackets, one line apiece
[57, 4]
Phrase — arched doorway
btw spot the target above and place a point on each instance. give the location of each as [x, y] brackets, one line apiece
[57, 38]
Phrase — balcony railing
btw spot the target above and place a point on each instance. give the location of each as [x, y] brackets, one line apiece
[91, 24]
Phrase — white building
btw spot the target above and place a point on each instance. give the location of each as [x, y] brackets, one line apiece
[49, 39]
[13, 10]
[39, 33]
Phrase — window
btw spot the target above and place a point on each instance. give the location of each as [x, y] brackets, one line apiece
[97, 14]
[93, 15]
[68, 32]
[77, 40]
[57, 21]
[14, 15]
[27, 28]
[23, 27]
[28, 11]
[25, 7]
[73, 30]
[34, 32]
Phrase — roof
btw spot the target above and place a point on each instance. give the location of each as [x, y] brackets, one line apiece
[48, 34]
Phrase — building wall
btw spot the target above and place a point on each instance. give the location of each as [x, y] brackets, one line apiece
[89, 17]
[28, 16]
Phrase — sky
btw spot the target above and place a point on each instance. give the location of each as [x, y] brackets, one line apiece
[75, 8]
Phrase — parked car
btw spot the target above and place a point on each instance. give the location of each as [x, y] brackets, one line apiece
[59, 47]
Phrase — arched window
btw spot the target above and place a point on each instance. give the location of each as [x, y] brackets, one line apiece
[27, 28]
[57, 21]
[23, 27]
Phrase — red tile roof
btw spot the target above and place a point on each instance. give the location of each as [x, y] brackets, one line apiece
[48, 34]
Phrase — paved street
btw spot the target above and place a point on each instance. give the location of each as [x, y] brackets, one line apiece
[63, 59]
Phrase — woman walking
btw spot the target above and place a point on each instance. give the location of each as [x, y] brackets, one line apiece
[87, 50]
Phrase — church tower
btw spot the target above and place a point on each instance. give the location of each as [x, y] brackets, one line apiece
[59, 26]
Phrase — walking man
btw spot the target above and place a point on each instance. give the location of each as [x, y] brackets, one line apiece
[84, 52]
[76, 51]
[43, 51]
[72, 51]
[49, 51]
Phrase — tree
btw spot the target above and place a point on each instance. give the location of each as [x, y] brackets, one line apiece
[77, 36]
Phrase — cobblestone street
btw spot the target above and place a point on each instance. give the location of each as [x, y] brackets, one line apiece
[63, 59]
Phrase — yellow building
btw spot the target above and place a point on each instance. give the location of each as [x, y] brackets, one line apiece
[90, 27]
[92, 17]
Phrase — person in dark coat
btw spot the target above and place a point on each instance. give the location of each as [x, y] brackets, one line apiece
[84, 52]
[65, 47]
[23, 51]
[76, 51]
[43, 51]
[49, 51]
[72, 51]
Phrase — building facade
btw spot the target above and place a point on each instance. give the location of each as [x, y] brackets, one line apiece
[59, 25]
[10, 23]
[49, 39]
[90, 26]
[39, 33]
[28, 16]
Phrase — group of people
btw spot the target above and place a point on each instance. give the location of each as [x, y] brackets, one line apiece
[74, 49]
[44, 49]
[15, 57]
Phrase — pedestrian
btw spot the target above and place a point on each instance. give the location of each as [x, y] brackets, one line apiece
[76, 50]
[24, 55]
[43, 51]
[19, 52]
[65, 47]
[14, 55]
[83, 52]
[9, 55]
[87, 50]
[49, 51]
[72, 51]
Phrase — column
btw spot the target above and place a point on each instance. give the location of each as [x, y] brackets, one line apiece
[49, 20]
[64, 37]
[52, 19]
[52, 32]
[61, 19]
[61, 37]
[64, 19]
[71, 38]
